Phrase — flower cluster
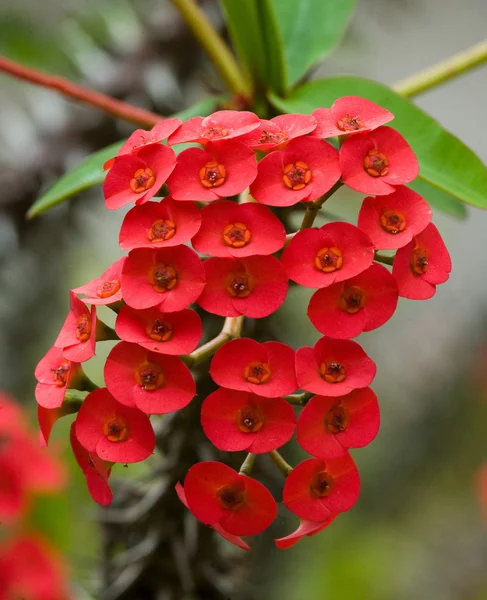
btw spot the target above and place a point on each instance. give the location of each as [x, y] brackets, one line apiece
[216, 239]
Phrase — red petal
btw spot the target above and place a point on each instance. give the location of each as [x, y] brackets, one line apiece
[305, 528]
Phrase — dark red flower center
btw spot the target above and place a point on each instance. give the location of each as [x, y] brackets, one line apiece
[296, 176]
[83, 327]
[332, 371]
[142, 180]
[249, 419]
[212, 175]
[150, 377]
[257, 372]
[214, 133]
[393, 221]
[116, 430]
[321, 484]
[267, 137]
[376, 164]
[159, 330]
[349, 123]
[239, 285]
[236, 235]
[336, 419]
[108, 288]
[419, 261]
[352, 299]
[60, 374]
[161, 230]
[163, 278]
[231, 497]
[329, 260]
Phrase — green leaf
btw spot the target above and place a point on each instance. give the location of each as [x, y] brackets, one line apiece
[446, 163]
[439, 199]
[310, 29]
[273, 47]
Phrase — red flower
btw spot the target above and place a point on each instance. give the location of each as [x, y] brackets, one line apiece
[237, 230]
[218, 495]
[317, 258]
[376, 162]
[349, 115]
[277, 132]
[235, 421]
[137, 178]
[365, 302]
[106, 288]
[46, 418]
[168, 333]
[265, 369]
[422, 265]
[77, 337]
[54, 374]
[171, 278]
[113, 431]
[305, 170]
[154, 383]
[221, 125]
[391, 221]
[333, 367]
[159, 224]
[95, 470]
[220, 170]
[307, 528]
[315, 489]
[254, 286]
[328, 427]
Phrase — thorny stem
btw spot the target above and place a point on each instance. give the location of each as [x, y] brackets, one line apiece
[116, 108]
[312, 208]
[232, 329]
[280, 463]
[299, 399]
[382, 258]
[248, 464]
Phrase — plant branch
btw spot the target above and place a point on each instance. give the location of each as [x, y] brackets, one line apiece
[299, 399]
[248, 464]
[232, 329]
[383, 258]
[443, 71]
[112, 106]
[280, 463]
[312, 208]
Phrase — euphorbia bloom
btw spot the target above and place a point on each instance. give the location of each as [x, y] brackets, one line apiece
[279, 131]
[77, 337]
[220, 125]
[106, 288]
[54, 374]
[305, 528]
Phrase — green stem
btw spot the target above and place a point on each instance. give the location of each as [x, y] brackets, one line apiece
[312, 208]
[299, 399]
[232, 329]
[443, 71]
[116, 306]
[248, 464]
[104, 332]
[214, 46]
[83, 383]
[280, 463]
[382, 258]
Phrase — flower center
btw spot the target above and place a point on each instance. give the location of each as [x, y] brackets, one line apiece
[352, 299]
[419, 261]
[142, 180]
[257, 372]
[83, 327]
[336, 419]
[116, 430]
[212, 175]
[296, 176]
[239, 285]
[267, 137]
[150, 377]
[214, 133]
[159, 330]
[161, 230]
[329, 260]
[249, 419]
[231, 497]
[376, 163]
[60, 375]
[236, 235]
[108, 288]
[163, 278]
[332, 371]
[392, 221]
[349, 123]
[321, 484]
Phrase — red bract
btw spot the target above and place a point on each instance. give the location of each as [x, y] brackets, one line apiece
[265, 369]
[113, 431]
[222, 169]
[305, 170]
[277, 132]
[307, 528]
[230, 229]
[391, 221]
[333, 367]
[54, 374]
[106, 288]
[218, 495]
[349, 115]
[221, 125]
[46, 418]
[235, 421]
[154, 383]
[137, 178]
[141, 138]
[168, 333]
[376, 162]
[159, 224]
[315, 489]
[171, 278]
[365, 302]
[254, 286]
[77, 337]
[328, 427]
[422, 265]
[317, 258]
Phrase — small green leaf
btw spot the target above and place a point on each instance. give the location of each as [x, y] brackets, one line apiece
[310, 29]
[446, 163]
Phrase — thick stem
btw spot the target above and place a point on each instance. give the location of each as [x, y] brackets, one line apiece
[248, 464]
[443, 71]
[116, 108]
[232, 329]
[214, 46]
[280, 463]
[382, 258]
[312, 208]
[299, 399]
